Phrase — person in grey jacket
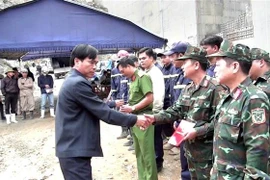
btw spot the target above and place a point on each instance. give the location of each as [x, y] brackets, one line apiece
[78, 115]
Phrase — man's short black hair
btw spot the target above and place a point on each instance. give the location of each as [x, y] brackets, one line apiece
[15, 69]
[203, 66]
[244, 65]
[125, 61]
[83, 51]
[149, 52]
[212, 40]
[133, 58]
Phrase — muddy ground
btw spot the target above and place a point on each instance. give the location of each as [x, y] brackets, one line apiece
[27, 152]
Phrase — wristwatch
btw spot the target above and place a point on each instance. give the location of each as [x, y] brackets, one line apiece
[133, 108]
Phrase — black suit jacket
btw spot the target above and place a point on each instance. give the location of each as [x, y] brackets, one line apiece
[78, 115]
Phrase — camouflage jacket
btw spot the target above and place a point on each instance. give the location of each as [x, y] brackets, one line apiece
[241, 137]
[195, 104]
[263, 82]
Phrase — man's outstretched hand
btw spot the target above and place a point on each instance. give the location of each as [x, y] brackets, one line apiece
[142, 122]
[150, 118]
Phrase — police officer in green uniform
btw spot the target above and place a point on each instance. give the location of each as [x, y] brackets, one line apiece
[196, 104]
[241, 136]
[140, 101]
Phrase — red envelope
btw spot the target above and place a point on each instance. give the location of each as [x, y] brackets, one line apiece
[178, 135]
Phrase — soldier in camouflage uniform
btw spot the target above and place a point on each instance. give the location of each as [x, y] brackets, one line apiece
[260, 69]
[241, 136]
[260, 73]
[197, 103]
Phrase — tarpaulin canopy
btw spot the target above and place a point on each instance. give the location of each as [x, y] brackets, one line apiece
[49, 28]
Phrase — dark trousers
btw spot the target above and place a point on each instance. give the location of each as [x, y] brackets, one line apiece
[167, 129]
[2, 111]
[158, 142]
[76, 168]
[11, 100]
[185, 174]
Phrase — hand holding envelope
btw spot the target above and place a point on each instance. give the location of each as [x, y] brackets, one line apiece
[184, 131]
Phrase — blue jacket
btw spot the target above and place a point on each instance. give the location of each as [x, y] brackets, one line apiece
[115, 83]
[168, 71]
[210, 71]
[124, 87]
[78, 115]
[119, 85]
[43, 80]
[178, 83]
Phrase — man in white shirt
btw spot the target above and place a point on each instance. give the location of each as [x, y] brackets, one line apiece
[147, 58]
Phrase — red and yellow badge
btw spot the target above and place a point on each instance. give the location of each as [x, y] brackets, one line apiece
[258, 115]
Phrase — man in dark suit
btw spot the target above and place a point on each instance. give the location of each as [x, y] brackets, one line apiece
[78, 114]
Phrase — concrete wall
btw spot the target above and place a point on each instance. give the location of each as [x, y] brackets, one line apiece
[261, 21]
[178, 20]
[174, 20]
[212, 13]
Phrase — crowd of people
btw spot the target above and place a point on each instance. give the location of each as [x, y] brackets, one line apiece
[18, 94]
[220, 88]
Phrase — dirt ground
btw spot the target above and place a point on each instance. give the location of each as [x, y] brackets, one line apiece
[27, 152]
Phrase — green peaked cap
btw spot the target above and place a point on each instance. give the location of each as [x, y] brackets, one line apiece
[195, 53]
[239, 52]
[257, 53]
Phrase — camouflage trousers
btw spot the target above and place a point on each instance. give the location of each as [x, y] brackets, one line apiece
[199, 170]
[224, 171]
[199, 154]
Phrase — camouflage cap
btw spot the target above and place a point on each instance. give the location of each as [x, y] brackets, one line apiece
[194, 53]
[257, 53]
[238, 52]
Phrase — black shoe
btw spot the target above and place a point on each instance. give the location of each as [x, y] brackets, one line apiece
[131, 148]
[129, 143]
[159, 168]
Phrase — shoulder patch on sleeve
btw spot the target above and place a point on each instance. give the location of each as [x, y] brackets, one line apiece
[258, 115]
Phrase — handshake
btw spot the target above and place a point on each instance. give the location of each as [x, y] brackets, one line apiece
[144, 121]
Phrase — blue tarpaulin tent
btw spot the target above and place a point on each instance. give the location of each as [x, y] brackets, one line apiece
[51, 28]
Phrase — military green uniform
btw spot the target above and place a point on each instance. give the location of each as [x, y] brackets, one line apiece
[253, 173]
[241, 133]
[143, 139]
[241, 136]
[196, 104]
[262, 82]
